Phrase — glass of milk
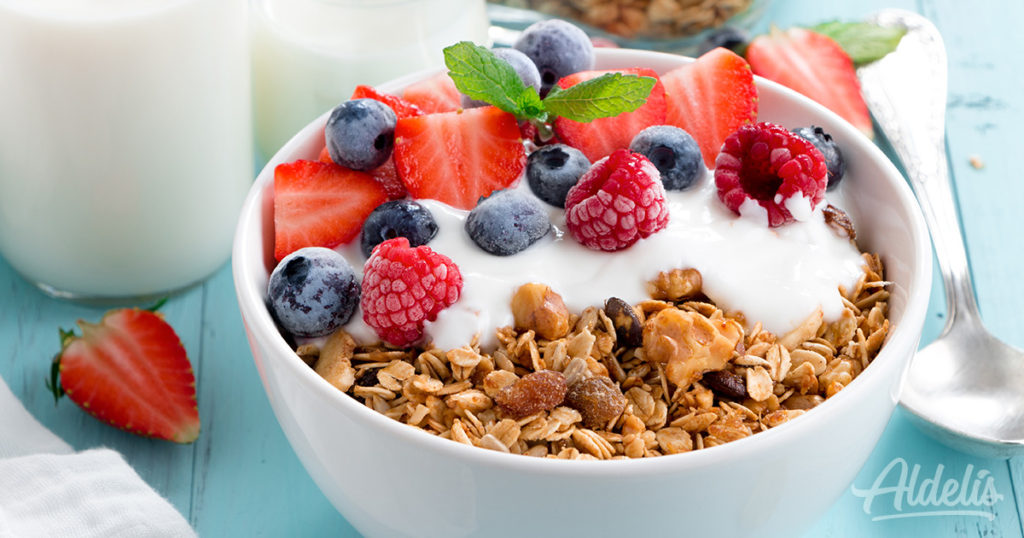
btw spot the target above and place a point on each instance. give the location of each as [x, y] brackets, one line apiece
[308, 55]
[125, 141]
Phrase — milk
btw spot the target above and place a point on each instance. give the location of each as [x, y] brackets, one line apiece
[125, 141]
[308, 55]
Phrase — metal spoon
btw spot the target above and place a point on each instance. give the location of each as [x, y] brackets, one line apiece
[966, 388]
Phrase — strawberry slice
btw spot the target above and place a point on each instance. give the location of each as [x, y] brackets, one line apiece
[402, 108]
[320, 205]
[435, 94]
[385, 174]
[814, 65]
[711, 98]
[130, 371]
[457, 157]
[599, 138]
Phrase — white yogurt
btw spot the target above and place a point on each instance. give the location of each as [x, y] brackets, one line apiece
[778, 276]
[125, 141]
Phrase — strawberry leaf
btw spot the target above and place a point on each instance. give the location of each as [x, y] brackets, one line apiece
[863, 42]
[606, 96]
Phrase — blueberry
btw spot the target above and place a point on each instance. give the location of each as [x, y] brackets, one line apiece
[730, 37]
[398, 218]
[552, 170]
[828, 148]
[312, 292]
[507, 222]
[674, 153]
[361, 133]
[524, 67]
[557, 48]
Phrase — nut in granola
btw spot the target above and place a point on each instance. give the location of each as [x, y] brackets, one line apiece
[689, 343]
[535, 307]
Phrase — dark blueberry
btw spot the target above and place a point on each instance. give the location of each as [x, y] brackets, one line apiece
[829, 149]
[361, 133]
[552, 170]
[557, 48]
[674, 153]
[524, 67]
[312, 292]
[730, 37]
[398, 218]
[507, 222]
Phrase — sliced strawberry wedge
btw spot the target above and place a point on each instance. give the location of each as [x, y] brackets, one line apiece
[599, 138]
[435, 94]
[711, 98]
[320, 205]
[402, 108]
[131, 371]
[814, 65]
[457, 157]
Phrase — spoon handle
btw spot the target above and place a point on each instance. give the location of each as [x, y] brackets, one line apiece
[906, 92]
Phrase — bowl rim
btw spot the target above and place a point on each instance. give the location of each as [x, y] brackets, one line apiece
[903, 336]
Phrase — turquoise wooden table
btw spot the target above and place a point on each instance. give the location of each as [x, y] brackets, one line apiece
[242, 479]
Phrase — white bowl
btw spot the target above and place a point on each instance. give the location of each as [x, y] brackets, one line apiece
[390, 479]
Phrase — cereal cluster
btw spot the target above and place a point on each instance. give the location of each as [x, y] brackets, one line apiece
[668, 375]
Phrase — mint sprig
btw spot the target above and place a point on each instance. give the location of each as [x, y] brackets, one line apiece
[864, 42]
[481, 75]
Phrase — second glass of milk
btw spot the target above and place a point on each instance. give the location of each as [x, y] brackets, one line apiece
[309, 55]
[125, 142]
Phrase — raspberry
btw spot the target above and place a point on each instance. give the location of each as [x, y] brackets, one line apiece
[617, 202]
[773, 168]
[404, 287]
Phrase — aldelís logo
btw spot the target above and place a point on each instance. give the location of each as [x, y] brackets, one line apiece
[913, 496]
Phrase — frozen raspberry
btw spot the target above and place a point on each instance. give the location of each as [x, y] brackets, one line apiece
[403, 287]
[617, 202]
[772, 167]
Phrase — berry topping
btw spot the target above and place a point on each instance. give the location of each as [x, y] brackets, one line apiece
[312, 292]
[728, 37]
[829, 149]
[814, 65]
[772, 168]
[507, 222]
[404, 287]
[711, 98]
[360, 134]
[401, 107]
[131, 371]
[558, 49]
[398, 218]
[674, 152]
[618, 202]
[435, 94]
[600, 137]
[553, 170]
[457, 157]
[523, 66]
[320, 205]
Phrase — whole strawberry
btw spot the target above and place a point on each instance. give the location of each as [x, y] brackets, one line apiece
[130, 370]
[404, 287]
[617, 202]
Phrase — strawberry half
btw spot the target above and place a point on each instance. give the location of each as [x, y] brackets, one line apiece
[402, 108]
[711, 98]
[130, 371]
[320, 205]
[433, 95]
[599, 138]
[457, 157]
[385, 174]
[814, 65]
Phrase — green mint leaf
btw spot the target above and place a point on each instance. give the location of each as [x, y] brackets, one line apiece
[481, 75]
[608, 95]
[863, 41]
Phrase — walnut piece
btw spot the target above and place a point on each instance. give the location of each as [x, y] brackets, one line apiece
[536, 308]
[689, 343]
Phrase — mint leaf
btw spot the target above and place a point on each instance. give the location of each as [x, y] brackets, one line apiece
[863, 42]
[608, 95]
[481, 75]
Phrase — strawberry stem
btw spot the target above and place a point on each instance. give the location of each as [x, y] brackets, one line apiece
[158, 305]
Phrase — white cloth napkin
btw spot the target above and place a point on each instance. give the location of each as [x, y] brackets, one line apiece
[48, 489]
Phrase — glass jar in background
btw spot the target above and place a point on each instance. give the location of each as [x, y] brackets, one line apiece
[309, 55]
[125, 142]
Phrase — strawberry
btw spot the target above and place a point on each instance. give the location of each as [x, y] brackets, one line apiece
[402, 108]
[130, 370]
[814, 65]
[435, 94]
[598, 138]
[385, 174]
[711, 98]
[320, 205]
[457, 157]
